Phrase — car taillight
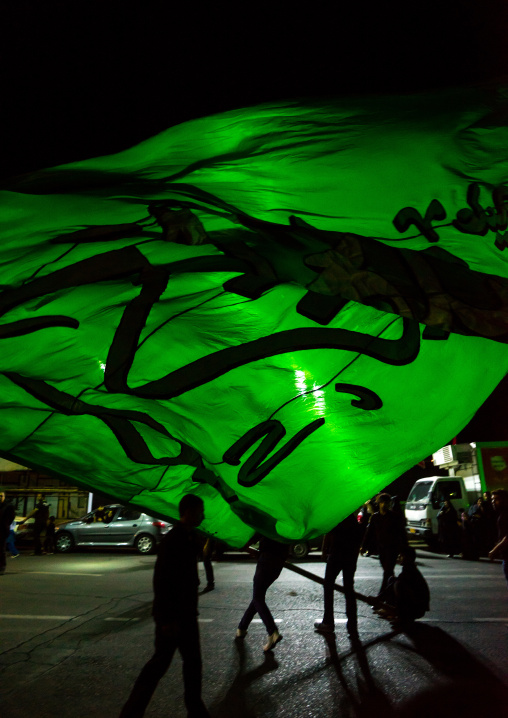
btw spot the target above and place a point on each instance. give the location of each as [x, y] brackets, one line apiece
[159, 524]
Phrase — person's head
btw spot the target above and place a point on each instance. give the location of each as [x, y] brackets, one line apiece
[479, 502]
[52, 519]
[408, 556]
[500, 499]
[487, 496]
[384, 501]
[447, 503]
[2, 497]
[191, 510]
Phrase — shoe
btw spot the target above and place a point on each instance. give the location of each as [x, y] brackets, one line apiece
[16, 555]
[273, 639]
[240, 633]
[49, 553]
[323, 627]
[210, 586]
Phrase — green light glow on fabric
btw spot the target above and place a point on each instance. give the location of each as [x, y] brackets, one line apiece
[280, 308]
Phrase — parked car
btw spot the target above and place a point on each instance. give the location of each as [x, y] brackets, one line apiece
[300, 549]
[112, 525]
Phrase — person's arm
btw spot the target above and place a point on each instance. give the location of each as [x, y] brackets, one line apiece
[32, 513]
[498, 548]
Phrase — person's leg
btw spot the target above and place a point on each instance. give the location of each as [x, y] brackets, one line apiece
[247, 617]
[37, 540]
[150, 675]
[190, 651]
[348, 577]
[11, 544]
[207, 563]
[263, 579]
[505, 569]
[387, 559]
[331, 573]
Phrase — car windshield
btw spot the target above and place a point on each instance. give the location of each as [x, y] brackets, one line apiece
[420, 492]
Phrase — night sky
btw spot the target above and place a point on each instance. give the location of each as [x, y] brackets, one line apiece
[84, 79]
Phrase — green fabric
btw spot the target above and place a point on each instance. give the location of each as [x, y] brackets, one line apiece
[280, 308]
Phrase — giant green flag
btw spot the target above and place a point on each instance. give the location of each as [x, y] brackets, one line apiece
[280, 308]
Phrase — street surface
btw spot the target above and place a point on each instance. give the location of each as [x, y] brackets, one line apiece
[75, 630]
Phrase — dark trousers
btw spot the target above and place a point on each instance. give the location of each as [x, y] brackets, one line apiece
[387, 559]
[49, 542]
[263, 578]
[187, 642]
[334, 566]
[38, 529]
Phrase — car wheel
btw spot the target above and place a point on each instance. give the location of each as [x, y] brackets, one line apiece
[145, 544]
[299, 549]
[64, 542]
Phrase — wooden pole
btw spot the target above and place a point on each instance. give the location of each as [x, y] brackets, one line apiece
[317, 579]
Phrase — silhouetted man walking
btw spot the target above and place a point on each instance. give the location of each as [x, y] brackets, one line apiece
[175, 611]
[342, 546]
[41, 515]
[391, 537]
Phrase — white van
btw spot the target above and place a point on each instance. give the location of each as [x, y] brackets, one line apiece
[425, 500]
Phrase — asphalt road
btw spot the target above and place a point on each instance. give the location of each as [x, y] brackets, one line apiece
[76, 629]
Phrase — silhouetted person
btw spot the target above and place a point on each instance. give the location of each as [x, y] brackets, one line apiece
[408, 593]
[468, 543]
[49, 542]
[6, 518]
[343, 544]
[500, 504]
[448, 529]
[390, 533]
[40, 514]
[369, 546]
[271, 558]
[175, 611]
